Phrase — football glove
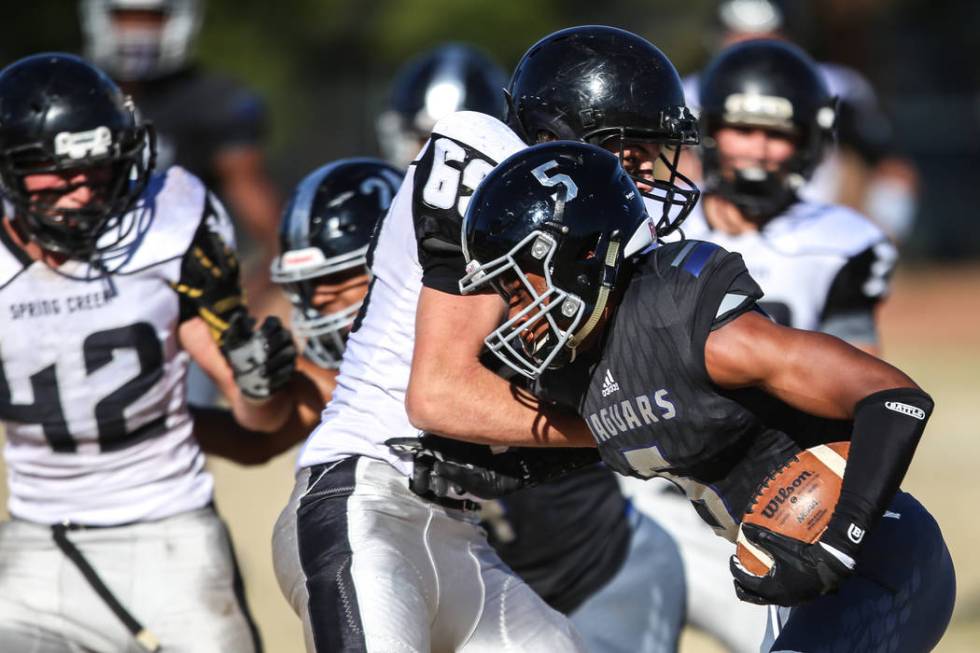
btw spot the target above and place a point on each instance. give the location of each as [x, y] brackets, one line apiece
[801, 572]
[210, 281]
[262, 361]
[444, 467]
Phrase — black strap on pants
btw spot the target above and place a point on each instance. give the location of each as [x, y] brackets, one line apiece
[147, 640]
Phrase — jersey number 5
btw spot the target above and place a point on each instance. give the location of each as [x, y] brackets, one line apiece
[98, 351]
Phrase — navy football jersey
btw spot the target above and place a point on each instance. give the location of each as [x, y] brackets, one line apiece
[652, 407]
[198, 114]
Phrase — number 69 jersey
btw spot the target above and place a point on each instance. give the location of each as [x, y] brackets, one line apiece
[368, 404]
[92, 377]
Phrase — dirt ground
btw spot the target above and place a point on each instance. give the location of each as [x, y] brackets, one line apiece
[931, 329]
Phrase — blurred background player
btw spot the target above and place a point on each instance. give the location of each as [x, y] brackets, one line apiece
[446, 79]
[206, 122]
[862, 169]
[114, 279]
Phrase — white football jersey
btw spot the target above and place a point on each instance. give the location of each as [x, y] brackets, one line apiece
[368, 404]
[815, 263]
[92, 378]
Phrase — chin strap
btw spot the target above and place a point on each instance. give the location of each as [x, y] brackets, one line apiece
[608, 281]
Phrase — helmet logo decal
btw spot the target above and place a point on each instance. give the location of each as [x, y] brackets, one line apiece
[571, 189]
[383, 189]
[78, 145]
[742, 106]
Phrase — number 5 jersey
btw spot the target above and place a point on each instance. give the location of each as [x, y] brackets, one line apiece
[92, 392]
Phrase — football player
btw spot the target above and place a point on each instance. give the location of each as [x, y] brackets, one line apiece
[863, 167]
[766, 118]
[113, 278]
[688, 380]
[576, 541]
[411, 363]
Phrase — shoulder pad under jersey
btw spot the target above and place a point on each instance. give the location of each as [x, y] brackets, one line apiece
[485, 134]
[176, 203]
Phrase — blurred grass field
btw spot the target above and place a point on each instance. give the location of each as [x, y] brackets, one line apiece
[931, 329]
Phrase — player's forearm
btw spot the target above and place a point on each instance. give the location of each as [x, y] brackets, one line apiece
[266, 415]
[218, 434]
[479, 406]
[887, 428]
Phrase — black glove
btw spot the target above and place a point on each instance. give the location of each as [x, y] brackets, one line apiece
[262, 361]
[210, 284]
[801, 573]
[451, 468]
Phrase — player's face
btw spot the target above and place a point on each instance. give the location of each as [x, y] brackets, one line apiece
[148, 20]
[68, 190]
[639, 159]
[519, 297]
[336, 292]
[753, 147]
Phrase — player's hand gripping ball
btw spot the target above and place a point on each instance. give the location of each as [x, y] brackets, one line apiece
[780, 558]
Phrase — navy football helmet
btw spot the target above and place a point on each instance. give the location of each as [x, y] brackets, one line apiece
[568, 213]
[326, 229]
[60, 114]
[772, 85]
[605, 86]
[452, 77]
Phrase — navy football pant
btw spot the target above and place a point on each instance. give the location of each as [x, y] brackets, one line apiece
[899, 600]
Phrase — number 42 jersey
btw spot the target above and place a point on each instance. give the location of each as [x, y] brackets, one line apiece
[92, 378]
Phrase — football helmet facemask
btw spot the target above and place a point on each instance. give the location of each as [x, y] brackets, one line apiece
[60, 114]
[775, 86]
[326, 229]
[569, 214]
[607, 86]
[452, 77]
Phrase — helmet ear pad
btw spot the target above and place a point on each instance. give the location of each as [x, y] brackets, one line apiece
[537, 118]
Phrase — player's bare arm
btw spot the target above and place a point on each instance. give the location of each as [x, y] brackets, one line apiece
[817, 373]
[220, 435]
[263, 414]
[450, 391]
[824, 376]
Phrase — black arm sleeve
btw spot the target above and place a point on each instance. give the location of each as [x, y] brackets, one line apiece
[442, 266]
[215, 285]
[887, 429]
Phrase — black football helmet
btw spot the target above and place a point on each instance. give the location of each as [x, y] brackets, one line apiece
[326, 228]
[452, 77]
[605, 85]
[775, 86]
[569, 213]
[59, 114]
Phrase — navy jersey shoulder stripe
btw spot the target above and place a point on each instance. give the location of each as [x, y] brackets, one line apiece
[693, 256]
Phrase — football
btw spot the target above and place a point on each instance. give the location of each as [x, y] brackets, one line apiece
[796, 500]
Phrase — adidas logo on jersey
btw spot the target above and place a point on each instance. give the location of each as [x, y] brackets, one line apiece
[609, 384]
